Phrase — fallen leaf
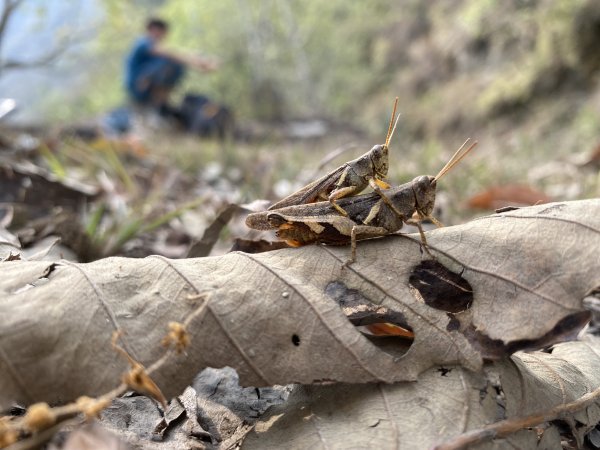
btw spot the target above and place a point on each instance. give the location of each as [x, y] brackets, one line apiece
[508, 195]
[215, 413]
[275, 316]
[211, 234]
[9, 245]
[443, 404]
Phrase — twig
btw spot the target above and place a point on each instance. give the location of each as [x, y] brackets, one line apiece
[509, 426]
[331, 156]
[42, 422]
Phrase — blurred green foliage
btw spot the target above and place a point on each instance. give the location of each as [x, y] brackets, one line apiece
[339, 59]
[278, 57]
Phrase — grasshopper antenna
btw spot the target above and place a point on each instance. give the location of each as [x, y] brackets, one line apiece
[389, 139]
[391, 126]
[456, 158]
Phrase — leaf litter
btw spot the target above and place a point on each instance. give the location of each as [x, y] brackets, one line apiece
[286, 326]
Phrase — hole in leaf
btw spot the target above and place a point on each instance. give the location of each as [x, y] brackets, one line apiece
[441, 288]
[454, 323]
[565, 329]
[444, 371]
[384, 327]
[295, 340]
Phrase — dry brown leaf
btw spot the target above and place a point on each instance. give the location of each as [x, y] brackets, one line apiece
[210, 237]
[275, 317]
[508, 195]
[444, 403]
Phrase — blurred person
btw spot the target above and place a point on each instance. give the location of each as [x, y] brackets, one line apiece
[152, 71]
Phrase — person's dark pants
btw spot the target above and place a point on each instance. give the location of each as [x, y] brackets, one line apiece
[158, 76]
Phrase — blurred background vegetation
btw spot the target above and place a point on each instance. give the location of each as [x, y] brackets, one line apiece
[521, 76]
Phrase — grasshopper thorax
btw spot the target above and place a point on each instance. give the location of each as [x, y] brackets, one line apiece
[424, 190]
[379, 160]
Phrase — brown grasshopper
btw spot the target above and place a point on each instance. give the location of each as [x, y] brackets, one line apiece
[349, 179]
[368, 215]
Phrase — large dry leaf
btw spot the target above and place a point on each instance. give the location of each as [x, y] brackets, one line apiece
[442, 404]
[275, 316]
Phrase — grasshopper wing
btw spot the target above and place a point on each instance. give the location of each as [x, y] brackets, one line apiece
[311, 192]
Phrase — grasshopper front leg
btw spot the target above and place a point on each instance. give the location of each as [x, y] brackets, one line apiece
[364, 230]
[375, 185]
[421, 217]
[417, 223]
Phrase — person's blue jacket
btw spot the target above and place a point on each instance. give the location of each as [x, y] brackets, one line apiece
[145, 71]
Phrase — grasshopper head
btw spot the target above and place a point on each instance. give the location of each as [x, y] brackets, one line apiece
[424, 189]
[379, 159]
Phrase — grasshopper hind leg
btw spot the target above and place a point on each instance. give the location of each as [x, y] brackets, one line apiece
[366, 231]
[340, 193]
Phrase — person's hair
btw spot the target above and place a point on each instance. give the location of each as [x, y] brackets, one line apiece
[156, 23]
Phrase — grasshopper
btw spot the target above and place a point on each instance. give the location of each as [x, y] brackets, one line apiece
[349, 179]
[368, 215]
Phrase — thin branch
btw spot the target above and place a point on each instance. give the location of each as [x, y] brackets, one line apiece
[331, 156]
[9, 8]
[39, 62]
[84, 408]
[507, 427]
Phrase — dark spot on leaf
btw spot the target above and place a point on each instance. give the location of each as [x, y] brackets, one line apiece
[295, 340]
[507, 209]
[454, 323]
[16, 411]
[440, 287]
[444, 371]
[360, 310]
[249, 246]
[11, 257]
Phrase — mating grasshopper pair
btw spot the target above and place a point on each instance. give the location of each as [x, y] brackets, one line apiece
[345, 218]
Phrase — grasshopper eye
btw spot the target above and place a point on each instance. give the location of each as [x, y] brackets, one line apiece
[377, 151]
[424, 189]
[379, 159]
